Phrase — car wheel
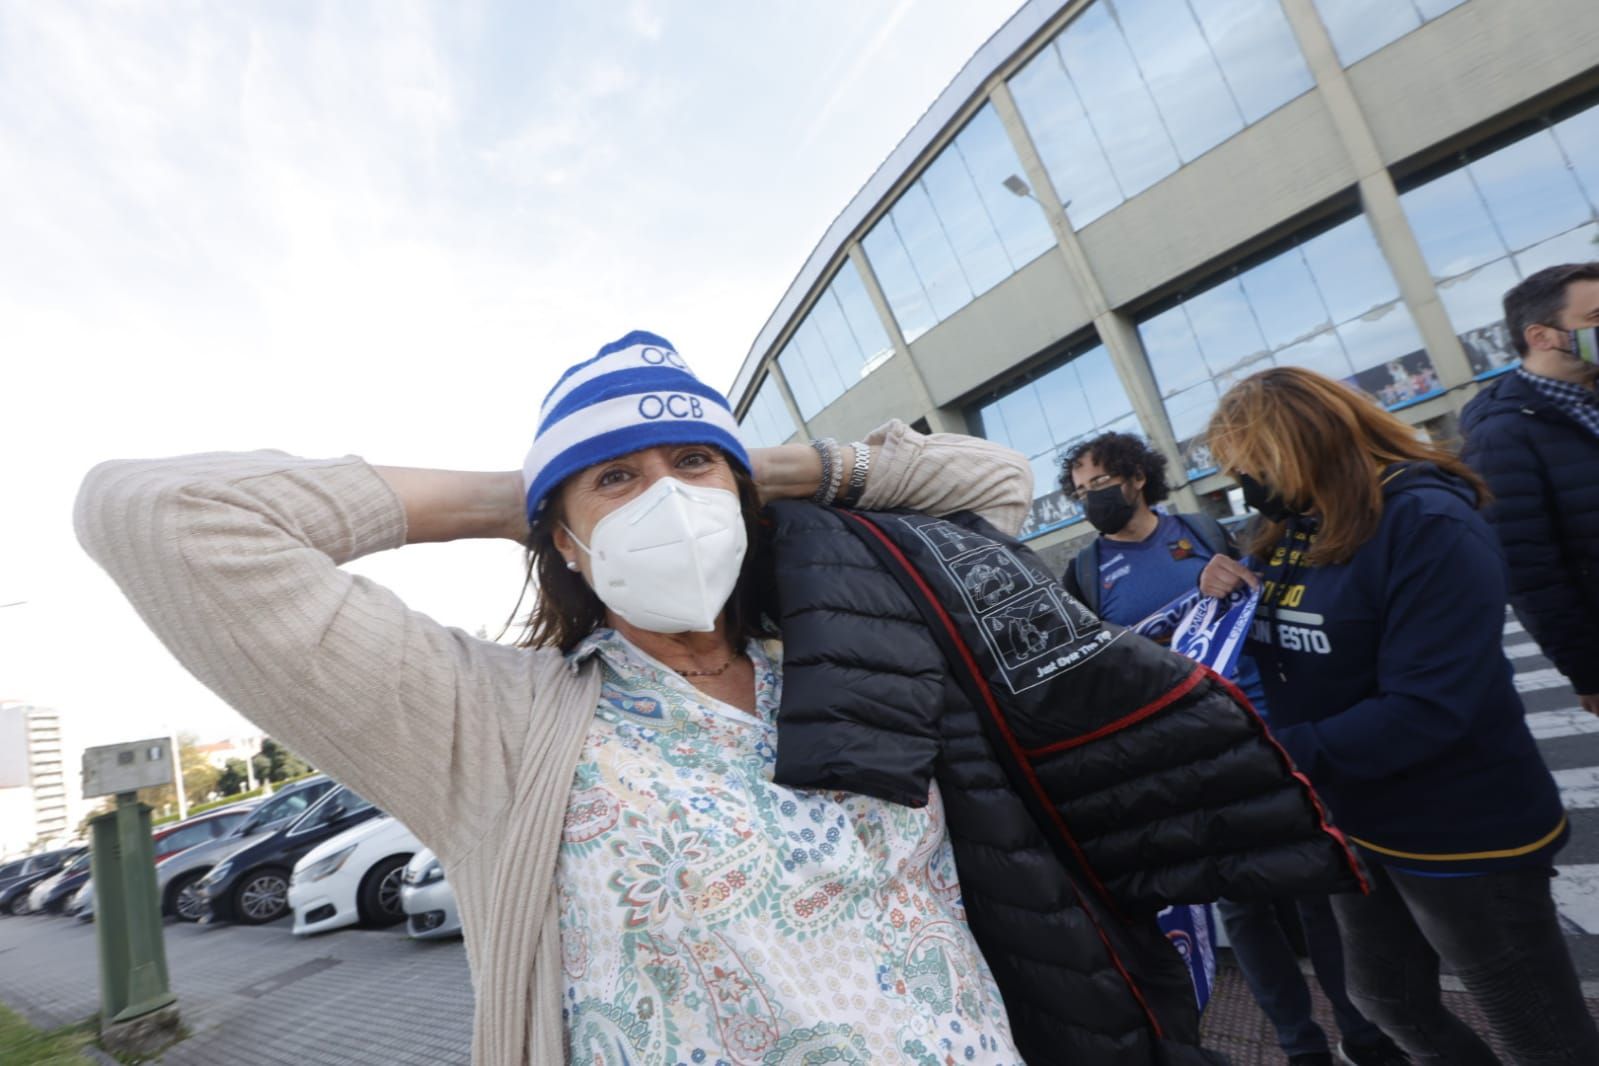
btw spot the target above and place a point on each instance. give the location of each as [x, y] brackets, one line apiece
[379, 898]
[182, 901]
[261, 896]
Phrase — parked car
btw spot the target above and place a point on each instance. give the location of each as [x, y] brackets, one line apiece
[353, 877]
[176, 877]
[11, 872]
[14, 893]
[50, 895]
[81, 905]
[428, 899]
[171, 839]
[251, 885]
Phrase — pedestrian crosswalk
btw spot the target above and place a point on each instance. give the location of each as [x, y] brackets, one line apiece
[1570, 722]
[1533, 680]
[1579, 787]
[1568, 738]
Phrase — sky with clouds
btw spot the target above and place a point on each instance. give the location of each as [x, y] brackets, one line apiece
[383, 228]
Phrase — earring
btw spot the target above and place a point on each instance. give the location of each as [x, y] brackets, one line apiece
[571, 564]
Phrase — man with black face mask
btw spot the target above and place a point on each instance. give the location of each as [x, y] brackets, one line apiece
[1533, 435]
[1142, 560]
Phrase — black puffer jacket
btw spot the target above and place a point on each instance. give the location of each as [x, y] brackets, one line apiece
[1081, 796]
[1543, 469]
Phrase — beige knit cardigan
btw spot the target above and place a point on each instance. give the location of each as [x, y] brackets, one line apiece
[233, 561]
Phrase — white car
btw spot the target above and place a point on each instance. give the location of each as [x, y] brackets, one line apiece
[352, 877]
[81, 906]
[428, 899]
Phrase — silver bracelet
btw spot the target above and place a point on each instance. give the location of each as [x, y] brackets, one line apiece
[857, 475]
[828, 487]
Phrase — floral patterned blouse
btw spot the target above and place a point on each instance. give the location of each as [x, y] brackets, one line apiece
[711, 916]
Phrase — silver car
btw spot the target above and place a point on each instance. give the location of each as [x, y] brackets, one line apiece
[175, 837]
[428, 900]
[176, 876]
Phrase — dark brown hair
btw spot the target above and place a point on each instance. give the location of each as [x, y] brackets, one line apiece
[1124, 455]
[566, 610]
[1323, 447]
[1539, 300]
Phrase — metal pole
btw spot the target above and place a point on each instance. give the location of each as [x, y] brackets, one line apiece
[133, 959]
[177, 780]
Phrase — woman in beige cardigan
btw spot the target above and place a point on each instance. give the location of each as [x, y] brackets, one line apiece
[630, 880]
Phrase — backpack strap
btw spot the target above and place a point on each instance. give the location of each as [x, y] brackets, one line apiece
[1082, 576]
[1211, 533]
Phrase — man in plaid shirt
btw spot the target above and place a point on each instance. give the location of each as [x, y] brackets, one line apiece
[1534, 435]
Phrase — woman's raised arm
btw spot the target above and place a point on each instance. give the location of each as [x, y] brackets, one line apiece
[233, 561]
[938, 473]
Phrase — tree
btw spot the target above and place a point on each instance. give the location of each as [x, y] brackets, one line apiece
[234, 778]
[277, 763]
[102, 806]
[199, 779]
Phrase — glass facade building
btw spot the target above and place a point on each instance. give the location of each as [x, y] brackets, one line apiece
[768, 421]
[1501, 213]
[957, 231]
[1131, 90]
[1360, 27]
[841, 341]
[1214, 218]
[1329, 303]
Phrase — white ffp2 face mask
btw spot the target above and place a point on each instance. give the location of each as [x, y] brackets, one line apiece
[668, 560]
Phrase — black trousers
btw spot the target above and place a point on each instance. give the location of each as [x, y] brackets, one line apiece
[1500, 933]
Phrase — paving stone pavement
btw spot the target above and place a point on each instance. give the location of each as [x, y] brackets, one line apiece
[1234, 1024]
[254, 996]
[263, 997]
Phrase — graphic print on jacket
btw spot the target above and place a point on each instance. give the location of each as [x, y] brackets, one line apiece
[1031, 626]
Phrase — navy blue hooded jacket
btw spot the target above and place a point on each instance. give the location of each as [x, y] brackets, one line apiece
[1389, 686]
[1543, 469]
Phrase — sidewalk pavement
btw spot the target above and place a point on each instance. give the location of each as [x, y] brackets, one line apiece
[260, 996]
[254, 996]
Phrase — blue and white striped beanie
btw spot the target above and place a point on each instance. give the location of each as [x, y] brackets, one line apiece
[636, 393]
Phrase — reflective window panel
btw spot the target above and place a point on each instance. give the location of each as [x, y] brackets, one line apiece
[1329, 304]
[1360, 27]
[767, 422]
[958, 231]
[1504, 214]
[840, 341]
[1045, 415]
[1131, 90]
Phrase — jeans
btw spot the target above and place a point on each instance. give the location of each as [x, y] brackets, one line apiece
[1272, 971]
[1499, 932]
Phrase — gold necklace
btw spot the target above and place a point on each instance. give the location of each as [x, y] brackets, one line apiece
[717, 672]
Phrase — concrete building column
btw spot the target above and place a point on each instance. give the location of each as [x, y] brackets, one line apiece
[939, 419]
[1378, 196]
[1116, 330]
[775, 373]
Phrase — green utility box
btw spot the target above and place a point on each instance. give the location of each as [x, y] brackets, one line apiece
[127, 914]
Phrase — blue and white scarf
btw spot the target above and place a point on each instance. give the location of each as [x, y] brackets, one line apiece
[1206, 629]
